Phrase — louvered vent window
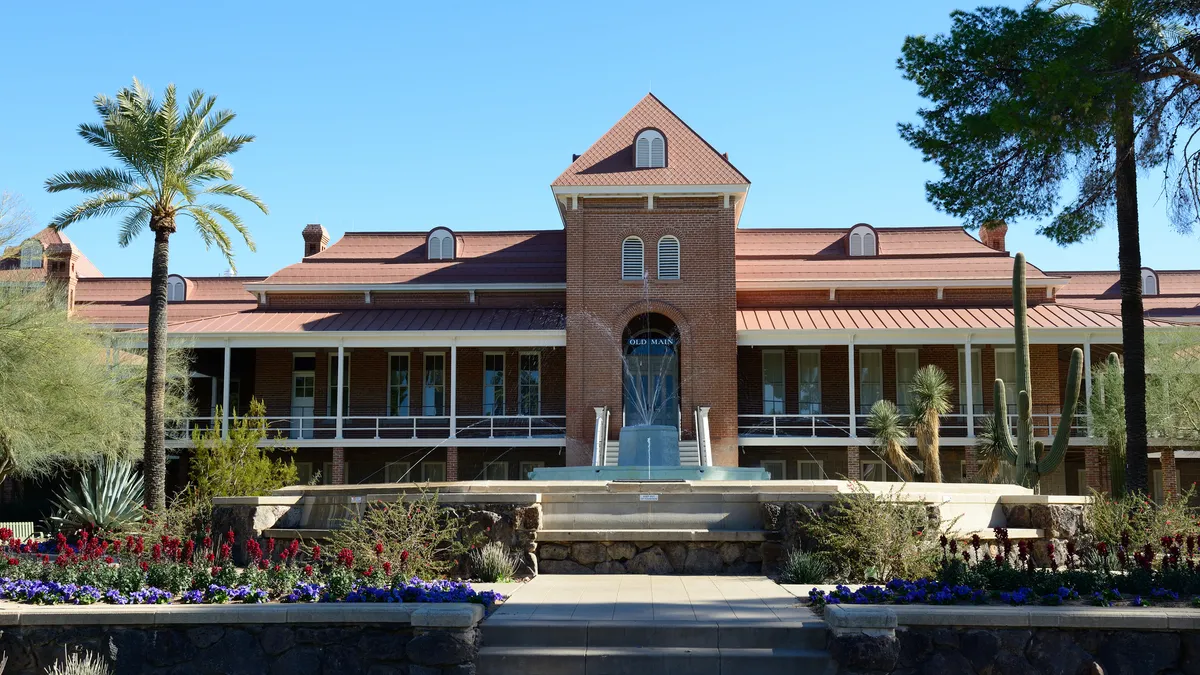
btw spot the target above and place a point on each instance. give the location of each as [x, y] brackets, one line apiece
[650, 150]
[668, 258]
[1149, 282]
[440, 245]
[862, 241]
[632, 255]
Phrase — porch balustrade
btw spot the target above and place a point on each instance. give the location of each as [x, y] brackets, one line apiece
[421, 427]
[953, 425]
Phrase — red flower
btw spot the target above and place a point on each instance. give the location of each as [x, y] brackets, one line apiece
[6, 533]
[316, 552]
[387, 568]
[346, 558]
[404, 556]
[189, 549]
[145, 566]
[308, 570]
[13, 562]
[226, 549]
[379, 548]
[156, 552]
[370, 570]
[210, 557]
[109, 560]
[207, 542]
[229, 537]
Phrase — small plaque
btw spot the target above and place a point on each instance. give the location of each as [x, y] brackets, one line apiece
[356, 500]
[648, 498]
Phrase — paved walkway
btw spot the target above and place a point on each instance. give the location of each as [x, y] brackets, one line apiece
[602, 597]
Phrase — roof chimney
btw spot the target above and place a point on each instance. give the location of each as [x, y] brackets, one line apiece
[992, 235]
[315, 239]
[60, 268]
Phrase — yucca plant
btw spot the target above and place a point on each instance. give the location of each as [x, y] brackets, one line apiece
[86, 663]
[992, 462]
[108, 498]
[494, 562]
[929, 398]
[802, 567]
[890, 432]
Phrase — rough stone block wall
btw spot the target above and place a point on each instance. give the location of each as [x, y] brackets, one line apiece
[646, 557]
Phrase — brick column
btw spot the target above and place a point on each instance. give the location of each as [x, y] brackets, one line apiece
[1170, 474]
[451, 463]
[853, 465]
[972, 459]
[1096, 468]
[339, 466]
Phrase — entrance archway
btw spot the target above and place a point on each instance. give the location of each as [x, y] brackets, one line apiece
[650, 356]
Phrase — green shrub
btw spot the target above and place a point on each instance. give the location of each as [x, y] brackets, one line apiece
[107, 500]
[870, 537]
[494, 562]
[1145, 521]
[800, 567]
[237, 466]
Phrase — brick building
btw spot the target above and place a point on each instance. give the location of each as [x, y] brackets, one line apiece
[437, 355]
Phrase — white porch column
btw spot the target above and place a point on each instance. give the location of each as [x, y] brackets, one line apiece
[600, 436]
[225, 395]
[704, 436]
[968, 363]
[853, 398]
[341, 381]
[453, 391]
[1087, 380]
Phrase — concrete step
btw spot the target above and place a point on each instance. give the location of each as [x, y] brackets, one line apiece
[656, 660]
[674, 634]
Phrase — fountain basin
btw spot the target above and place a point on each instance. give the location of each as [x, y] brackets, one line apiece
[651, 473]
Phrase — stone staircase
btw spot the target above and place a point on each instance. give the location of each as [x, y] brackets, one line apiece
[689, 453]
[614, 647]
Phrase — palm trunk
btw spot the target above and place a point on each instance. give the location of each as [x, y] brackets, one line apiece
[154, 464]
[1133, 333]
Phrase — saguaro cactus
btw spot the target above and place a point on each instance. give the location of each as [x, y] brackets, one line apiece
[1029, 460]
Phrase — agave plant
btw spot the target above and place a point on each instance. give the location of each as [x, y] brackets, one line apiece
[108, 498]
[889, 430]
[929, 398]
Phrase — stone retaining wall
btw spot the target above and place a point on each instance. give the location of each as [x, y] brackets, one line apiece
[648, 557]
[211, 640]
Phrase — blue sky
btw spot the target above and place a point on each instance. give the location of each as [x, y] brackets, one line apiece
[402, 116]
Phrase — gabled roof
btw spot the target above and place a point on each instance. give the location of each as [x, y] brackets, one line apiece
[51, 237]
[126, 301]
[1044, 316]
[905, 254]
[400, 258]
[266, 321]
[690, 159]
[1178, 293]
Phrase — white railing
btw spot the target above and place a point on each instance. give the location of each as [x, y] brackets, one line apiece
[392, 427]
[838, 426]
[511, 426]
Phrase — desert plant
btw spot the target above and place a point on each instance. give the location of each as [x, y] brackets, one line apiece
[1028, 459]
[86, 663]
[929, 399]
[108, 499]
[1133, 517]
[868, 536]
[1107, 408]
[802, 567]
[494, 562]
[413, 536]
[237, 465]
[890, 432]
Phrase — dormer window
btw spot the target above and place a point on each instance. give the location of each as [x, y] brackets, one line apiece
[1149, 281]
[441, 244]
[176, 288]
[862, 240]
[650, 150]
[31, 254]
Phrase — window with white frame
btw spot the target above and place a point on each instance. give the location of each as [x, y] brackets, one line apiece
[433, 472]
[32, 254]
[668, 257]
[650, 150]
[906, 368]
[440, 245]
[976, 380]
[1006, 369]
[870, 378]
[1149, 281]
[398, 386]
[877, 469]
[528, 466]
[331, 399]
[495, 471]
[862, 241]
[493, 383]
[398, 472]
[529, 384]
[433, 394]
[632, 259]
[773, 381]
[304, 388]
[776, 468]
[810, 381]
[810, 469]
[176, 288]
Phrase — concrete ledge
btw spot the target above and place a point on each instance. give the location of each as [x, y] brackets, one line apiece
[854, 617]
[651, 535]
[1045, 499]
[872, 620]
[270, 500]
[430, 615]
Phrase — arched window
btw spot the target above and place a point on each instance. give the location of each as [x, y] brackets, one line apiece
[441, 245]
[632, 256]
[650, 150]
[176, 288]
[668, 257]
[31, 254]
[1149, 281]
[862, 240]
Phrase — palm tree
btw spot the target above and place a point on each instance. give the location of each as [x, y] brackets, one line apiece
[929, 399]
[890, 432]
[168, 161]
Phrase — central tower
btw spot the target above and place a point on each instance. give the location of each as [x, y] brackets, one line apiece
[650, 211]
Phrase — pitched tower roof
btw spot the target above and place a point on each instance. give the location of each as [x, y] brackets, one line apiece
[690, 159]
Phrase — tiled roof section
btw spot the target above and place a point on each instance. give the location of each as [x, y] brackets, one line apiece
[905, 253]
[690, 159]
[51, 237]
[126, 301]
[1178, 297]
[1048, 316]
[275, 322]
[400, 258]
